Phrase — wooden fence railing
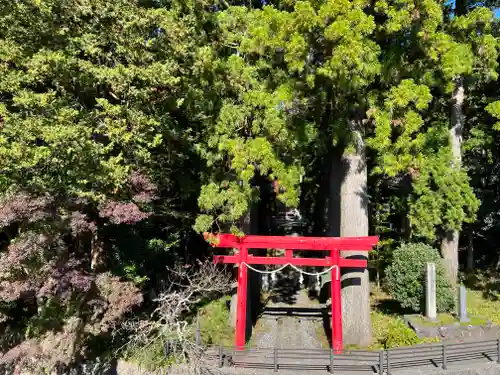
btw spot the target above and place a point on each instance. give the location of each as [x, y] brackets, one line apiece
[437, 355]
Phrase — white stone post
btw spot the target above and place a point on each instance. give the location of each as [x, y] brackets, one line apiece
[463, 305]
[430, 289]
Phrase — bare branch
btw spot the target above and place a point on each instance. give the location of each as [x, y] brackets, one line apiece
[169, 325]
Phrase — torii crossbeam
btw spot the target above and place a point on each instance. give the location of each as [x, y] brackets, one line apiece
[289, 243]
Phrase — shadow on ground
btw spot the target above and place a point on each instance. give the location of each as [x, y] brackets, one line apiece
[286, 288]
[487, 282]
[392, 307]
[301, 312]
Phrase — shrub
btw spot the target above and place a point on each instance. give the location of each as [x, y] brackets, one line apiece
[214, 323]
[405, 278]
[399, 334]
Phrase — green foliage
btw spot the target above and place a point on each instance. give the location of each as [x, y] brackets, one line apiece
[391, 331]
[405, 278]
[214, 323]
[124, 124]
[441, 196]
[399, 119]
[132, 275]
[494, 110]
[150, 358]
[92, 143]
[399, 334]
[412, 144]
[274, 81]
[331, 63]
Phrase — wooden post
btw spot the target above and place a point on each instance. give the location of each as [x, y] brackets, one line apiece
[388, 362]
[331, 361]
[221, 356]
[445, 361]
[241, 313]
[336, 299]
[498, 351]
[275, 362]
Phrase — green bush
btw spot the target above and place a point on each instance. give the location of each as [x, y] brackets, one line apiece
[399, 334]
[214, 323]
[405, 278]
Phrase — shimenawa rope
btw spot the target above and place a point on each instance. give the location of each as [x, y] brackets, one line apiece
[291, 265]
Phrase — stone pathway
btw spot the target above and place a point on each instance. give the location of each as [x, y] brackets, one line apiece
[296, 331]
[290, 321]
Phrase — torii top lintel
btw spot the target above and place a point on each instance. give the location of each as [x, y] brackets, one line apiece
[295, 242]
[290, 243]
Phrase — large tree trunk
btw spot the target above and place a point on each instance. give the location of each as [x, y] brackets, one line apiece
[470, 250]
[449, 243]
[349, 218]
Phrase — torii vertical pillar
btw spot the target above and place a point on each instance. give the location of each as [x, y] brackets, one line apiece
[241, 311]
[336, 299]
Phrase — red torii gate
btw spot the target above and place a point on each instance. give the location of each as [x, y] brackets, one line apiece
[332, 244]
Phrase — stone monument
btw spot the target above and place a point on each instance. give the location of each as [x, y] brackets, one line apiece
[430, 292]
[463, 304]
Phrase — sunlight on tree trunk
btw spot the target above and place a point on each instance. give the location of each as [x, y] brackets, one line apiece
[450, 241]
[352, 203]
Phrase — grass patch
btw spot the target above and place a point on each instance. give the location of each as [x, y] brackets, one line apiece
[485, 308]
[381, 324]
[387, 322]
[483, 295]
[446, 320]
[149, 358]
[388, 327]
[391, 331]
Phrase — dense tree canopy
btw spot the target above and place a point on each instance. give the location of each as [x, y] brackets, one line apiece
[92, 141]
[128, 127]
